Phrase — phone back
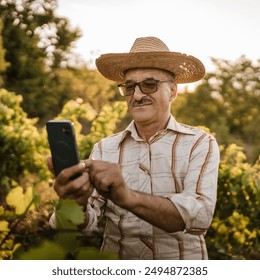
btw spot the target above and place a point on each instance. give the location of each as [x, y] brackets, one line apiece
[62, 143]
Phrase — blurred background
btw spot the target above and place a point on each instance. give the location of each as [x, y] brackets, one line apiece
[47, 70]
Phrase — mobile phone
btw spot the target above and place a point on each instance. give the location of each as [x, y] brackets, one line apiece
[63, 145]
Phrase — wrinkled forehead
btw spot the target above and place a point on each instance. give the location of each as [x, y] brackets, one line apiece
[145, 73]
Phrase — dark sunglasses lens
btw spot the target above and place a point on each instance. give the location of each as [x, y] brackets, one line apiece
[148, 86]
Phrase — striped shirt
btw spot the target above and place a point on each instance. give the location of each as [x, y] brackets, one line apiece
[179, 163]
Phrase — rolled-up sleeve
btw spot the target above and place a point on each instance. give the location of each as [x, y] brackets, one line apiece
[196, 203]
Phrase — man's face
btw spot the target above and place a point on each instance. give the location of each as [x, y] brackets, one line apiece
[154, 107]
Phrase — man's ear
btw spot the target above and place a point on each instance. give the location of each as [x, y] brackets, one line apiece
[174, 92]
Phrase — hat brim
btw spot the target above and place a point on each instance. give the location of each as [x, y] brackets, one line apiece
[186, 68]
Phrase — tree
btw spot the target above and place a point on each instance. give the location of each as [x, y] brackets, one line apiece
[227, 101]
[235, 232]
[3, 63]
[37, 43]
[239, 85]
[22, 146]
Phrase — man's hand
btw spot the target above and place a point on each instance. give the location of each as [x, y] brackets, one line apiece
[107, 179]
[79, 189]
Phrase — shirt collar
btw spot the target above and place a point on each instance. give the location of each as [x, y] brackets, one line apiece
[172, 125]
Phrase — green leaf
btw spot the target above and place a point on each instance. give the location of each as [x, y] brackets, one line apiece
[4, 226]
[19, 200]
[69, 214]
[94, 254]
[47, 250]
[2, 210]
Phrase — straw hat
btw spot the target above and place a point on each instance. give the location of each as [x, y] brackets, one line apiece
[151, 52]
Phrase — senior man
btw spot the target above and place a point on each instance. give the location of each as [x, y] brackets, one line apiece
[156, 181]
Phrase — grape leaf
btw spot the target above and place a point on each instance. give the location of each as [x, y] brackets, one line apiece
[20, 200]
[69, 214]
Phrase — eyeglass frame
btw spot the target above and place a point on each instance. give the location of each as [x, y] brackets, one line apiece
[138, 84]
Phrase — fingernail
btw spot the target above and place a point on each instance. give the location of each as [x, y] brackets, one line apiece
[82, 165]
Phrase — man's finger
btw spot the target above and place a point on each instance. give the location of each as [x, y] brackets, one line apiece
[49, 163]
[89, 163]
[67, 173]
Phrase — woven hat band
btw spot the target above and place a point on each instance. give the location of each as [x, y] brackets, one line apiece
[149, 44]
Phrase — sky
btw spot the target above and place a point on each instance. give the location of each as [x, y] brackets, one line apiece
[203, 28]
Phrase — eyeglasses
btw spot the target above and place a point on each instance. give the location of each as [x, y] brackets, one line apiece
[147, 86]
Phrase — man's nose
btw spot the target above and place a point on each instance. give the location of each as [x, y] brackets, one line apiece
[138, 94]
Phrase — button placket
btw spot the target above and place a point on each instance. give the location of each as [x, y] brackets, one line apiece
[146, 229]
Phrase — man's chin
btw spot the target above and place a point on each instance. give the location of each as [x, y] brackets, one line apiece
[141, 117]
